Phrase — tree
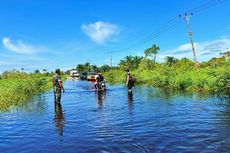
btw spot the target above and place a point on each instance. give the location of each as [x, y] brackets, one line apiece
[37, 71]
[67, 72]
[81, 68]
[215, 62]
[130, 62]
[184, 64]
[104, 68]
[93, 67]
[169, 60]
[87, 66]
[126, 63]
[136, 61]
[146, 64]
[44, 70]
[152, 52]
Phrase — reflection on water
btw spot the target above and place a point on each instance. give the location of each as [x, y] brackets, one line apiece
[130, 97]
[144, 120]
[100, 98]
[59, 118]
[35, 104]
[130, 101]
[167, 95]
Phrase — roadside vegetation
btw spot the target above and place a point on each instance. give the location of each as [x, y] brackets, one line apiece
[17, 87]
[173, 74]
[212, 76]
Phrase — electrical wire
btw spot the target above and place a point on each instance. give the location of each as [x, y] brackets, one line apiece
[169, 25]
[152, 35]
[206, 5]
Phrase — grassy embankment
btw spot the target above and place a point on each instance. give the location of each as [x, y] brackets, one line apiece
[213, 76]
[16, 88]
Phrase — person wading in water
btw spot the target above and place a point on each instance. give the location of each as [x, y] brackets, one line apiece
[129, 81]
[57, 86]
[99, 83]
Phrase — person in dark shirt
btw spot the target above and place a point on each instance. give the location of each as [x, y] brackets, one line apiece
[99, 79]
[129, 81]
[57, 86]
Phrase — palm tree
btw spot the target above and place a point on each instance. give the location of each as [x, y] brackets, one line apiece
[128, 58]
[130, 62]
[170, 60]
[126, 62]
[105, 68]
[152, 52]
[136, 61]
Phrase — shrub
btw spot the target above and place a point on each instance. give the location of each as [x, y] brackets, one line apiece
[223, 84]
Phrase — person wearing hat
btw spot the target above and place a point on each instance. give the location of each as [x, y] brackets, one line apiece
[57, 86]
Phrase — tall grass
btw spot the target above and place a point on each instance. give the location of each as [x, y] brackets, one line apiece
[16, 88]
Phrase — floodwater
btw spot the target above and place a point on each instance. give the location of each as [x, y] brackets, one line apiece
[147, 120]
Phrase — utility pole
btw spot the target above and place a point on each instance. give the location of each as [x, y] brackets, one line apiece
[111, 60]
[187, 19]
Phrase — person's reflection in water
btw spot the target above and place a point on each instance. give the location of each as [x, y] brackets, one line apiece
[73, 80]
[130, 101]
[100, 97]
[59, 119]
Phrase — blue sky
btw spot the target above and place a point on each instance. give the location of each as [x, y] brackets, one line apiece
[46, 34]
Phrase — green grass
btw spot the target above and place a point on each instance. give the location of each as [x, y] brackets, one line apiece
[16, 88]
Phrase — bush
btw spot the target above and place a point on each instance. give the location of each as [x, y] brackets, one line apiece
[213, 76]
[115, 76]
[223, 84]
[182, 81]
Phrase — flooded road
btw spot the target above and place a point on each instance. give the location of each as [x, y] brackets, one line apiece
[147, 121]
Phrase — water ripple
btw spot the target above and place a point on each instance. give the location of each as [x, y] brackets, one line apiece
[112, 122]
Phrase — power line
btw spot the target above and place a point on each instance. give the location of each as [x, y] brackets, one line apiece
[187, 17]
[205, 6]
[170, 24]
[153, 34]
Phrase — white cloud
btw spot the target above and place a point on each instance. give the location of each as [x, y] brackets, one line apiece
[204, 50]
[100, 32]
[18, 47]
